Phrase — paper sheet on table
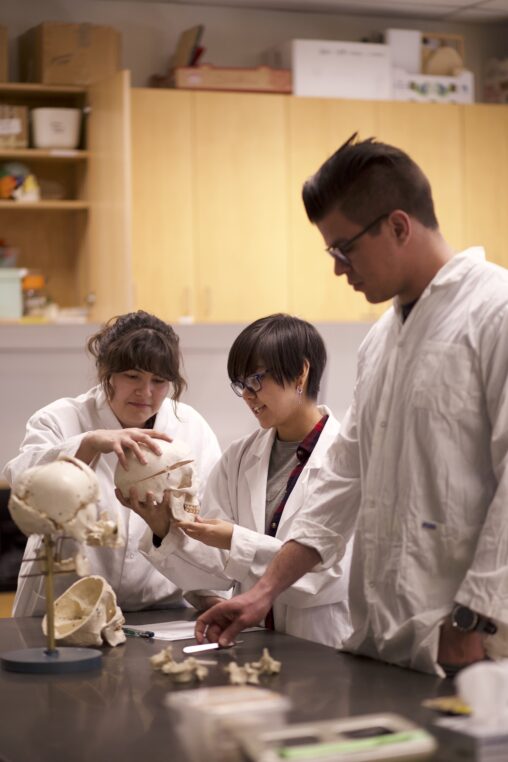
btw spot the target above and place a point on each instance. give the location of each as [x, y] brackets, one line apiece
[179, 630]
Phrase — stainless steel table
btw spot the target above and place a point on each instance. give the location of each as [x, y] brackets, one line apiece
[117, 714]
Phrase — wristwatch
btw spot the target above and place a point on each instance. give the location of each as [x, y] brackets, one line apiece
[466, 620]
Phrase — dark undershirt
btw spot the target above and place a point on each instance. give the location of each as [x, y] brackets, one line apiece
[406, 310]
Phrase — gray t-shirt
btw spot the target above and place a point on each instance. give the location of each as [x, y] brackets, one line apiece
[282, 461]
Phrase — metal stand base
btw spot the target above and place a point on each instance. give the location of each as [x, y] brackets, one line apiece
[60, 661]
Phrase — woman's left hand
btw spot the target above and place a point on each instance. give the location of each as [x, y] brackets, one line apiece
[157, 515]
[214, 532]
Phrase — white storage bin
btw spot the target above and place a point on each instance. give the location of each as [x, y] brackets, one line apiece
[11, 295]
[56, 127]
[334, 69]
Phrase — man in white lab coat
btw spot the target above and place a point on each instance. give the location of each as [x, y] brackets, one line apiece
[422, 457]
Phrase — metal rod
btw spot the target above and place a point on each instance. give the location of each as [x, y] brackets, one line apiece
[50, 598]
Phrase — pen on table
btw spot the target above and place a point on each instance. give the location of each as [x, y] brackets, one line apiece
[138, 633]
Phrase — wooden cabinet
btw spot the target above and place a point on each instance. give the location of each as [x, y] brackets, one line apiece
[317, 127]
[240, 206]
[485, 162]
[220, 232]
[210, 227]
[163, 216]
[78, 234]
[431, 133]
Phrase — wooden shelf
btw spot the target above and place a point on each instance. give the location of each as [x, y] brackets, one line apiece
[53, 154]
[44, 205]
[32, 89]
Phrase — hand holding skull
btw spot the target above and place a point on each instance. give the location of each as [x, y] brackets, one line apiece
[158, 516]
[121, 442]
[163, 488]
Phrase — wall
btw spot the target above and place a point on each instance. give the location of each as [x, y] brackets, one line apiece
[233, 37]
[39, 364]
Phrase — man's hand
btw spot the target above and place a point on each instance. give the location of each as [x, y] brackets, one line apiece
[459, 649]
[157, 515]
[222, 623]
[214, 532]
[119, 441]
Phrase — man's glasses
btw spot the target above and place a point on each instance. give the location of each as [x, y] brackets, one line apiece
[341, 252]
[252, 383]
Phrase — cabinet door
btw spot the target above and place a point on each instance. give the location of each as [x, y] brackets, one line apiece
[317, 127]
[485, 159]
[240, 206]
[162, 176]
[431, 133]
[107, 266]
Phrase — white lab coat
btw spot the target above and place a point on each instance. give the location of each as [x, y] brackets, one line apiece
[58, 429]
[315, 607]
[423, 458]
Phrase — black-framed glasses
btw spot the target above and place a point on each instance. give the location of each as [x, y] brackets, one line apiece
[252, 383]
[341, 252]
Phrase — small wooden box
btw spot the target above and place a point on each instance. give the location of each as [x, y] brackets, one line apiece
[262, 79]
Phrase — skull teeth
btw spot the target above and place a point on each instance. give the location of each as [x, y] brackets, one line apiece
[194, 509]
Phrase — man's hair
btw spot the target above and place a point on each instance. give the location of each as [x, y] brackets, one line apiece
[137, 341]
[280, 343]
[366, 179]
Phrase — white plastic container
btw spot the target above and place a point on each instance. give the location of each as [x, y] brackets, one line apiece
[56, 127]
[336, 69]
[11, 296]
[209, 717]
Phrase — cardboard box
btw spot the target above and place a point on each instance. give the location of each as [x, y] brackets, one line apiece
[330, 69]
[13, 126]
[426, 88]
[4, 54]
[68, 54]
[260, 80]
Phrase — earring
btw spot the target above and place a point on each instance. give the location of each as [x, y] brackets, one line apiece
[299, 391]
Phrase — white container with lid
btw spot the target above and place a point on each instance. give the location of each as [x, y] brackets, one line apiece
[11, 297]
[56, 127]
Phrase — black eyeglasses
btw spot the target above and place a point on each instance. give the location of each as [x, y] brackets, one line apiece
[252, 383]
[340, 252]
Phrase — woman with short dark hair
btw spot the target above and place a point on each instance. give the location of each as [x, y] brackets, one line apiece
[261, 482]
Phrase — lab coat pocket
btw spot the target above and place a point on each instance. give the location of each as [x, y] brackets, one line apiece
[435, 560]
[444, 381]
[424, 563]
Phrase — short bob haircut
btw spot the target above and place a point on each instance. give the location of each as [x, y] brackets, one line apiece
[280, 343]
[137, 341]
[367, 179]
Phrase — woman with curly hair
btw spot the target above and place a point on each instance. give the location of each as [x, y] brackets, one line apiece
[136, 402]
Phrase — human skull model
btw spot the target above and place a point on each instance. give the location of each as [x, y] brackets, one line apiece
[87, 614]
[173, 470]
[60, 499]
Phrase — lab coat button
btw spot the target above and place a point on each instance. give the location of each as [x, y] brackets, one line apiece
[130, 555]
